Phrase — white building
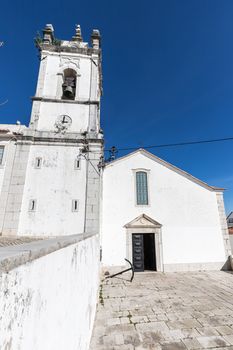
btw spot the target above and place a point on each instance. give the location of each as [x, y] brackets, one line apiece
[49, 175]
[160, 217]
[151, 212]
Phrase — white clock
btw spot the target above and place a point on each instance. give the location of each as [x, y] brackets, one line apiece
[62, 123]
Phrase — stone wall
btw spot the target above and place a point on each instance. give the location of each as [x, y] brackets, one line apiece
[223, 222]
[13, 188]
[48, 293]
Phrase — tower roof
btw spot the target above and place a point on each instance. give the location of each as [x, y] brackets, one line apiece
[75, 44]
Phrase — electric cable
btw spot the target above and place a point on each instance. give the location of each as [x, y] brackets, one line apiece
[175, 144]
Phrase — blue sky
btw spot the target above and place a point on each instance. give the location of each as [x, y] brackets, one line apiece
[168, 73]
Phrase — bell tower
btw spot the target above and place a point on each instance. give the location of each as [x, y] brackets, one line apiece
[54, 179]
[69, 87]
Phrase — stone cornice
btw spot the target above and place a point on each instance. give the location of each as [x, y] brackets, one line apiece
[50, 137]
[56, 140]
[69, 49]
[45, 99]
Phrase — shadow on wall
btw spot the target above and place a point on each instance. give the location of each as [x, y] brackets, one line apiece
[44, 283]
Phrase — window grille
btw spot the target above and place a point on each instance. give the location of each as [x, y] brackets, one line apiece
[142, 188]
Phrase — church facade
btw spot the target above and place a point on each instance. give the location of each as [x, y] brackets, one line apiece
[160, 217]
[54, 182]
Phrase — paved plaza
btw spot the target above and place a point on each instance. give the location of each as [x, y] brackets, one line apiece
[172, 311]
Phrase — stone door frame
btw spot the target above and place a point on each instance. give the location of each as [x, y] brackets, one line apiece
[143, 225]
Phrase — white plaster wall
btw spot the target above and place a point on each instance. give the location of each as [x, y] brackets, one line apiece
[50, 303]
[53, 186]
[50, 86]
[191, 231]
[49, 112]
[54, 64]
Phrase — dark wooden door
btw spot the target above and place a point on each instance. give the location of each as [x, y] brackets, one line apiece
[149, 251]
[138, 252]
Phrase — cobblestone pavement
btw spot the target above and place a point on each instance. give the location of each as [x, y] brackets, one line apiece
[172, 311]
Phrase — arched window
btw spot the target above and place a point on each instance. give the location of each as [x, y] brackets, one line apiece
[141, 188]
[69, 84]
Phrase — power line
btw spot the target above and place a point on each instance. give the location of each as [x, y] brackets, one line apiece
[174, 144]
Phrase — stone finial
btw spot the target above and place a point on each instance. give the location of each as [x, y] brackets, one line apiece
[48, 34]
[96, 39]
[78, 34]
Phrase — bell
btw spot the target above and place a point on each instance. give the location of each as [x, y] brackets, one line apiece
[68, 92]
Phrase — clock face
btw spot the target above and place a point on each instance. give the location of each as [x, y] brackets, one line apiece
[63, 122]
[64, 119]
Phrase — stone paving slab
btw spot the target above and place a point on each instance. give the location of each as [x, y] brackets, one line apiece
[172, 311]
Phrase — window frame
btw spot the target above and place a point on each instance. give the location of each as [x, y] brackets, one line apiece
[147, 171]
[36, 166]
[34, 202]
[75, 164]
[75, 210]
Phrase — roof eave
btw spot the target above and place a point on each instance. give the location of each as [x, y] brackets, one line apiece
[170, 166]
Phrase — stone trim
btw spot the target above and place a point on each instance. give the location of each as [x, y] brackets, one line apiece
[13, 185]
[93, 187]
[146, 221]
[158, 244]
[14, 256]
[56, 141]
[69, 49]
[201, 266]
[11, 150]
[47, 99]
[223, 223]
[51, 137]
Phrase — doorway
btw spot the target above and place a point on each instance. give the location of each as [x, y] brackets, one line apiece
[144, 251]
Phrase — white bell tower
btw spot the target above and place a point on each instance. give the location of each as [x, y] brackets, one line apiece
[67, 98]
[54, 177]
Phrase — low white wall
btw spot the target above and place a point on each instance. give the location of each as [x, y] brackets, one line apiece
[48, 294]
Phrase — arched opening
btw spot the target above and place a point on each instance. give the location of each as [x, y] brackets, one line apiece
[69, 84]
